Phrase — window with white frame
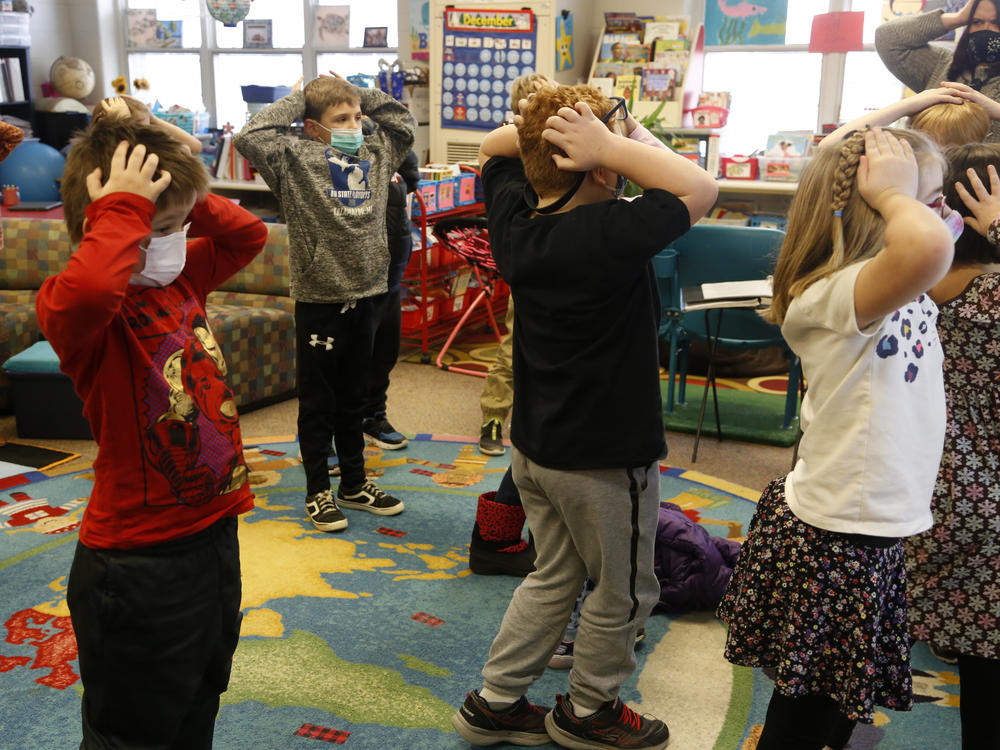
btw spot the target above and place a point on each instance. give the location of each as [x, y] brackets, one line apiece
[777, 88]
[192, 60]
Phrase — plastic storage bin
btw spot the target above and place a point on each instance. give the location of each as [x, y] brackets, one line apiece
[15, 29]
[781, 168]
[265, 94]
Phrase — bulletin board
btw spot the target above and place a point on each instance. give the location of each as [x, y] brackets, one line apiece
[484, 51]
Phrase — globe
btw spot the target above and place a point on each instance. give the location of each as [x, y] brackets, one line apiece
[72, 77]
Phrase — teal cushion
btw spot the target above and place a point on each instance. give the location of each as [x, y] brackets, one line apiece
[39, 358]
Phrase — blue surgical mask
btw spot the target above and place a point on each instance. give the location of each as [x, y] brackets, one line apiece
[348, 140]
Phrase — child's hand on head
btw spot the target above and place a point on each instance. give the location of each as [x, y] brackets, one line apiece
[985, 205]
[967, 93]
[579, 133]
[887, 169]
[115, 107]
[133, 173]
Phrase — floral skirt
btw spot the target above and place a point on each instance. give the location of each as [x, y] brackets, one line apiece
[825, 612]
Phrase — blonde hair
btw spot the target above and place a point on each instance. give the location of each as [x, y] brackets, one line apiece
[325, 91]
[524, 85]
[830, 226]
[953, 124]
[536, 152]
[94, 148]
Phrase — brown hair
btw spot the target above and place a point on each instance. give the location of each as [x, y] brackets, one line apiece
[324, 92]
[94, 148]
[971, 247]
[536, 152]
[819, 241]
[953, 124]
[962, 63]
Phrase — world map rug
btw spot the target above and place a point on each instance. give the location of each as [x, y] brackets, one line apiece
[371, 637]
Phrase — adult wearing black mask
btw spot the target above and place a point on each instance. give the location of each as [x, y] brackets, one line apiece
[904, 46]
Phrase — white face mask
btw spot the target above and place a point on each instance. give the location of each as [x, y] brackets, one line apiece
[165, 258]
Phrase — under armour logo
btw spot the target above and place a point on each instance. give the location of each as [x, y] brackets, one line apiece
[316, 343]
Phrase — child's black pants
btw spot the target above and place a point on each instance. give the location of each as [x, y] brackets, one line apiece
[156, 628]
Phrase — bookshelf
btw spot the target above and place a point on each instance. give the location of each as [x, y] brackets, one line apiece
[672, 113]
[15, 90]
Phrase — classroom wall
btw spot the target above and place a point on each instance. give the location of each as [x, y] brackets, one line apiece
[75, 28]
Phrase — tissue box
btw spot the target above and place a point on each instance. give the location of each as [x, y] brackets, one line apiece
[438, 195]
[192, 122]
[466, 192]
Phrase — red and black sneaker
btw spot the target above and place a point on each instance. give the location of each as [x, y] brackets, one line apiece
[615, 725]
[521, 723]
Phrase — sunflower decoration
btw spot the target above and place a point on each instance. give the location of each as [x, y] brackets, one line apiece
[140, 84]
[120, 85]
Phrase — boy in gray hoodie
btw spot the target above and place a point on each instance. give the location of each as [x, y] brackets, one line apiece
[332, 188]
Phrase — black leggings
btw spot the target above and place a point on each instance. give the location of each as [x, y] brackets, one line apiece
[980, 699]
[808, 722]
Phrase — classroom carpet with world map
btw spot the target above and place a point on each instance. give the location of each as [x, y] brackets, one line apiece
[371, 637]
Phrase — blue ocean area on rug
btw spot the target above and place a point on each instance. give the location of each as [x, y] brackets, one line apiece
[371, 637]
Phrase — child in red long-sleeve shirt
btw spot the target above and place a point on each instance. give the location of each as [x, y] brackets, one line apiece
[154, 589]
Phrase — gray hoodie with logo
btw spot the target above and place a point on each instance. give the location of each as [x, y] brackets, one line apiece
[334, 202]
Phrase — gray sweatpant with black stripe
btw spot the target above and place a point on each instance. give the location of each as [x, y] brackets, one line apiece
[600, 523]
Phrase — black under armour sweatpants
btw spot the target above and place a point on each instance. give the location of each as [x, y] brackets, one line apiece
[333, 351]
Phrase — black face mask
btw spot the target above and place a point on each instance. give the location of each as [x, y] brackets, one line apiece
[984, 46]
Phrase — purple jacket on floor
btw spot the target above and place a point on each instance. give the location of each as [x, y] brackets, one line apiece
[693, 566]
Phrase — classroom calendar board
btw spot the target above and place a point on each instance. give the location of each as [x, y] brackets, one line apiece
[484, 51]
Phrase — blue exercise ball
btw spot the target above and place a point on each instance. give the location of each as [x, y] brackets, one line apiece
[35, 168]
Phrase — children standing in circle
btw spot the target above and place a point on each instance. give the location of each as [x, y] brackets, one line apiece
[819, 591]
[954, 599]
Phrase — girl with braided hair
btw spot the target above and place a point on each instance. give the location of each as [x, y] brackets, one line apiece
[819, 593]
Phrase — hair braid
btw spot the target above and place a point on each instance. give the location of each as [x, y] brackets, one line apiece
[843, 184]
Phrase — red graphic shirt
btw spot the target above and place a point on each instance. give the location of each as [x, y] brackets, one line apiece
[150, 372]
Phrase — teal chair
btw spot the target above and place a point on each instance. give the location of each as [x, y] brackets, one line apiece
[713, 253]
[670, 331]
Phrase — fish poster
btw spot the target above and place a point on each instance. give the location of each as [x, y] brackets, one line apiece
[736, 22]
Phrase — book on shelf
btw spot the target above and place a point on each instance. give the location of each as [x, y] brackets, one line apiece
[610, 69]
[676, 59]
[662, 30]
[614, 45]
[605, 85]
[659, 84]
[623, 22]
[12, 80]
[627, 87]
[752, 293]
[637, 52]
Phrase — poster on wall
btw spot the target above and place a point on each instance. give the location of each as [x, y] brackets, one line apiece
[484, 51]
[333, 22]
[736, 23]
[564, 40]
[420, 29]
[896, 8]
